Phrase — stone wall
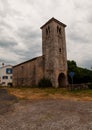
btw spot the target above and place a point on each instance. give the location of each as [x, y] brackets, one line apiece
[28, 73]
[54, 51]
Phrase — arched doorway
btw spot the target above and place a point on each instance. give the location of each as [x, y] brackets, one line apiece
[61, 80]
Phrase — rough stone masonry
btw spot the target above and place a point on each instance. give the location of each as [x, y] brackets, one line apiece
[53, 62]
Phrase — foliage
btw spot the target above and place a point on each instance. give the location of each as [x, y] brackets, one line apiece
[90, 85]
[81, 75]
[44, 82]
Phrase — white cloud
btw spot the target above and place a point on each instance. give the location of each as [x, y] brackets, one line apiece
[20, 22]
[8, 56]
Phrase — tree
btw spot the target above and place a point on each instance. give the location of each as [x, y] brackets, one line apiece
[81, 75]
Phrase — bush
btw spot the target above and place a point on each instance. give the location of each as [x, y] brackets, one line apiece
[90, 85]
[44, 82]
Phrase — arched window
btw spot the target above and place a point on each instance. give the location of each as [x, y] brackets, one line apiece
[47, 30]
[58, 29]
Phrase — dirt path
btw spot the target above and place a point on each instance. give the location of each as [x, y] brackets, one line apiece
[6, 101]
[47, 114]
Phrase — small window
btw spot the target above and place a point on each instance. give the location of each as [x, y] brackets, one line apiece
[46, 31]
[58, 29]
[59, 49]
[3, 82]
[10, 77]
[5, 77]
[8, 71]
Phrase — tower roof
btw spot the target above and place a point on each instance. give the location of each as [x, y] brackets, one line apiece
[53, 19]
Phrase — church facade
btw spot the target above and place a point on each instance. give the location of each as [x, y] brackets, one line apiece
[53, 62]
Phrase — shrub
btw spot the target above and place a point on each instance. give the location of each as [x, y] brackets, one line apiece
[90, 85]
[44, 82]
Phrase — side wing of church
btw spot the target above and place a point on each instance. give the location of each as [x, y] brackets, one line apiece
[28, 73]
[53, 62]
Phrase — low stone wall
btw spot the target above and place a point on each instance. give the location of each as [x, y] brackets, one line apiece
[77, 86]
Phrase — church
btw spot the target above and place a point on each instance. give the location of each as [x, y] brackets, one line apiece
[53, 62]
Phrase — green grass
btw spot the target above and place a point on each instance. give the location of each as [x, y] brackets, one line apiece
[87, 92]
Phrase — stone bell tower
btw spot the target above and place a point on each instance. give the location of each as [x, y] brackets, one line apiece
[54, 52]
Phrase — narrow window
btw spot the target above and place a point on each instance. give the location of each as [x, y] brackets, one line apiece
[59, 49]
[60, 30]
[5, 77]
[3, 82]
[46, 31]
[57, 29]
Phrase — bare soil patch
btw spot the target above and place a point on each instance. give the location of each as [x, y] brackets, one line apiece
[48, 114]
[6, 101]
[40, 113]
[51, 93]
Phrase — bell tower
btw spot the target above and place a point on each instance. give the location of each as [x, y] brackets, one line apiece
[54, 52]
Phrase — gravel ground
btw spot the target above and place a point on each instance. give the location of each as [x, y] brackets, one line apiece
[48, 114]
[6, 101]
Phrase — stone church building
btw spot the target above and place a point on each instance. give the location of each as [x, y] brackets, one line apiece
[53, 62]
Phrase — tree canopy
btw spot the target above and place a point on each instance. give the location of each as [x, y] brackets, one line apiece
[82, 75]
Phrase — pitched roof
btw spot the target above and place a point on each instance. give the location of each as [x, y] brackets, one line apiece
[53, 19]
[26, 61]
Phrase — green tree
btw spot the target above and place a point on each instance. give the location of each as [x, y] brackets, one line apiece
[81, 75]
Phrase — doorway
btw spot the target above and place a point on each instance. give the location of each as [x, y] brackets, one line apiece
[62, 80]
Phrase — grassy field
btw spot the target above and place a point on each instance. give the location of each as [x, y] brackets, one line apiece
[51, 93]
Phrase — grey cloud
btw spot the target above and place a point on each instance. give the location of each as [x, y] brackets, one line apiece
[76, 37]
[7, 9]
[79, 32]
[30, 53]
[89, 18]
[30, 36]
[87, 63]
[7, 43]
[5, 5]
[84, 4]
[7, 61]
[4, 24]
[28, 33]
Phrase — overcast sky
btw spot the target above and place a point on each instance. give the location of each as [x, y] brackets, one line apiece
[20, 34]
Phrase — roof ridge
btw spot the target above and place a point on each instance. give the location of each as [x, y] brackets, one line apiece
[53, 19]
